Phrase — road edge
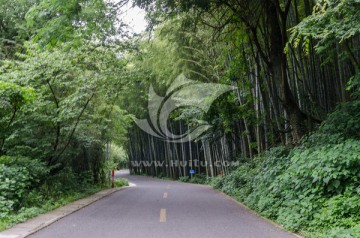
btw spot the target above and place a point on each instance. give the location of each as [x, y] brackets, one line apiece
[38, 223]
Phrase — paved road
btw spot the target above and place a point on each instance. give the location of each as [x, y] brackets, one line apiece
[163, 209]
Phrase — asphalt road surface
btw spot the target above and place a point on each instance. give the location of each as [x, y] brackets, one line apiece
[163, 209]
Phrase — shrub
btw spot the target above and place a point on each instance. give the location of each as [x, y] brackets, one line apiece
[199, 179]
[184, 179]
[18, 175]
[217, 182]
[345, 120]
[121, 182]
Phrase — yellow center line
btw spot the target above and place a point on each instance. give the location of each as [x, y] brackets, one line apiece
[163, 215]
[165, 195]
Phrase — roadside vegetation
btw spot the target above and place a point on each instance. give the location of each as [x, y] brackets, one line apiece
[120, 182]
[314, 188]
[72, 80]
[60, 77]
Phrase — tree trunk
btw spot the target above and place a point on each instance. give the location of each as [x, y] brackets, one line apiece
[278, 70]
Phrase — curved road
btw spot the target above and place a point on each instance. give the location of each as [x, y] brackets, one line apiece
[163, 209]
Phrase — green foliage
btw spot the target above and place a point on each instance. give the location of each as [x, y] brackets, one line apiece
[344, 121]
[217, 182]
[331, 19]
[199, 179]
[13, 30]
[58, 104]
[61, 73]
[28, 188]
[67, 79]
[121, 182]
[313, 188]
[18, 175]
[55, 22]
[119, 156]
[315, 175]
[14, 96]
[41, 204]
[8, 188]
[69, 86]
[354, 86]
[332, 22]
[184, 179]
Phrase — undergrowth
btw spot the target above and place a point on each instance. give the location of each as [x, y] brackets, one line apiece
[313, 189]
[28, 189]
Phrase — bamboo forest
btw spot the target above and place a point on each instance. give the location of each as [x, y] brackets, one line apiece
[259, 99]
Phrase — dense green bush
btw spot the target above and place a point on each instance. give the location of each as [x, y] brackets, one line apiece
[121, 182]
[18, 175]
[13, 186]
[199, 179]
[43, 204]
[27, 188]
[345, 120]
[184, 179]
